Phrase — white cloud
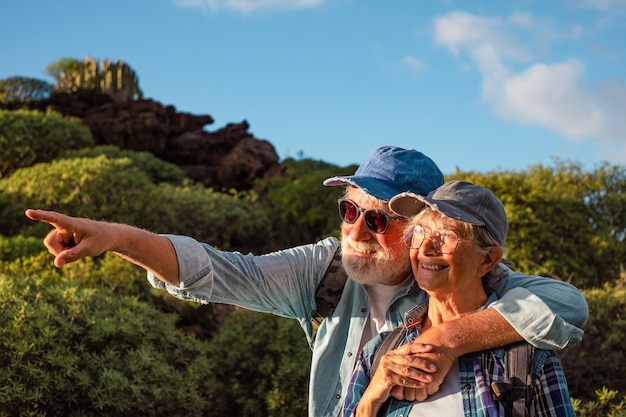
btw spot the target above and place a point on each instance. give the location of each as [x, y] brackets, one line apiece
[557, 96]
[413, 63]
[604, 5]
[551, 96]
[248, 6]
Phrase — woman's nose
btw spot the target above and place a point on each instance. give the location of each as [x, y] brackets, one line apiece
[428, 246]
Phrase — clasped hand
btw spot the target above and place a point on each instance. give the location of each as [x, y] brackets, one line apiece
[411, 372]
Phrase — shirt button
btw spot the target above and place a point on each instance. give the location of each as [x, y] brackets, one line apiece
[467, 387]
[363, 309]
[349, 354]
[338, 396]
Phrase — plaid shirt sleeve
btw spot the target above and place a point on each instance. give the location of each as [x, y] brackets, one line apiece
[361, 376]
[551, 391]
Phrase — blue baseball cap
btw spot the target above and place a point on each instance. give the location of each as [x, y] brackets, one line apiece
[389, 170]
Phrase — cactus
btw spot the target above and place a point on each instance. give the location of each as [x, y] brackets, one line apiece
[117, 78]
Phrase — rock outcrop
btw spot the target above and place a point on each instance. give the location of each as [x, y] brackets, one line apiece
[227, 158]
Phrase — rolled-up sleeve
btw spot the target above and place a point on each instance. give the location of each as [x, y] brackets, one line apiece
[546, 312]
[194, 271]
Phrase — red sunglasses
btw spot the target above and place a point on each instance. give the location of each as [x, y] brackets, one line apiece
[376, 221]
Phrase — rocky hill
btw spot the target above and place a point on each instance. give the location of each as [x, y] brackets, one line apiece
[227, 158]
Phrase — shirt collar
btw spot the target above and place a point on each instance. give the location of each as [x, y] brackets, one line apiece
[415, 316]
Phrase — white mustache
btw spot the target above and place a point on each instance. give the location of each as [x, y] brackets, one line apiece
[366, 247]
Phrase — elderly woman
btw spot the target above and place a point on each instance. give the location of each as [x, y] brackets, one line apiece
[456, 238]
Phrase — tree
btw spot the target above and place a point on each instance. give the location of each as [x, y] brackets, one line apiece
[23, 90]
[64, 71]
[565, 222]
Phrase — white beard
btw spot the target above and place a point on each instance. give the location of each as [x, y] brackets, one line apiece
[385, 268]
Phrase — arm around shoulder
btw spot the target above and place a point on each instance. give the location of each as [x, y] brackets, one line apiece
[547, 312]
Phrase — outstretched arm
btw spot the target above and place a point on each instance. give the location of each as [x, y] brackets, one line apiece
[75, 238]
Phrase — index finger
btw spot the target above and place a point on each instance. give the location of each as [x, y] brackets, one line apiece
[52, 217]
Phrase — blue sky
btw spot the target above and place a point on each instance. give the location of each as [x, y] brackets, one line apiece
[478, 85]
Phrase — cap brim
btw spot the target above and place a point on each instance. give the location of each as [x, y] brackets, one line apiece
[406, 204]
[371, 186]
[453, 212]
[409, 204]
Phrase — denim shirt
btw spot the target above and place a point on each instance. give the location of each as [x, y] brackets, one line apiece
[284, 283]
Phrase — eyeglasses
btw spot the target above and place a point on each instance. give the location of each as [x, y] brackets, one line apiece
[376, 221]
[444, 241]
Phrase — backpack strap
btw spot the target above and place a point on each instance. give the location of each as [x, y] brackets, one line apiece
[391, 341]
[516, 392]
[329, 291]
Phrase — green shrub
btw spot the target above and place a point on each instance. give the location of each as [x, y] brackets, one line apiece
[117, 190]
[302, 209]
[19, 246]
[74, 344]
[157, 170]
[607, 404]
[29, 136]
[563, 219]
[600, 359]
[108, 272]
[229, 221]
[100, 188]
[71, 351]
[263, 367]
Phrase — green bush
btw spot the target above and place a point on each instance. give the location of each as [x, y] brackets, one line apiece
[115, 274]
[71, 351]
[100, 188]
[73, 343]
[157, 170]
[229, 221]
[108, 272]
[302, 209]
[565, 222]
[28, 137]
[19, 246]
[607, 404]
[118, 190]
[263, 367]
[600, 359]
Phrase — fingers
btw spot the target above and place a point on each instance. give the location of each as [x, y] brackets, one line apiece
[52, 217]
[416, 371]
[405, 370]
[64, 241]
[416, 355]
[409, 394]
[414, 348]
